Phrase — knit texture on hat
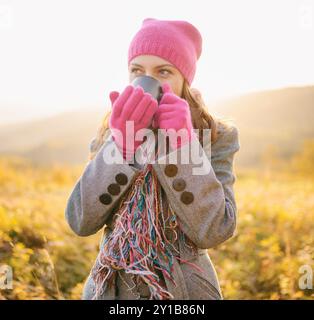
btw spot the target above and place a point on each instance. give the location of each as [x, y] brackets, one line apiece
[176, 41]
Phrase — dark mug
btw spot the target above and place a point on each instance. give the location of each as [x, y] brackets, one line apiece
[150, 85]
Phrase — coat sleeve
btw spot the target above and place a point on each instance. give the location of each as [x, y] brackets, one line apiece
[203, 197]
[98, 190]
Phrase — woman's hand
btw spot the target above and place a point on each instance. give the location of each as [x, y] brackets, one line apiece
[133, 104]
[174, 113]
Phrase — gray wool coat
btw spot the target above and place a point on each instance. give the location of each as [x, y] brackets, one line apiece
[206, 208]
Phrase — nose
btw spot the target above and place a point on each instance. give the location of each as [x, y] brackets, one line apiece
[148, 73]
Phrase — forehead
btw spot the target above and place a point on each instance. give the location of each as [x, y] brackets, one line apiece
[150, 61]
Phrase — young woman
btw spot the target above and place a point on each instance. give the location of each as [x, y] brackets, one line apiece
[160, 218]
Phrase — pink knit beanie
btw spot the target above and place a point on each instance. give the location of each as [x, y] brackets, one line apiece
[178, 42]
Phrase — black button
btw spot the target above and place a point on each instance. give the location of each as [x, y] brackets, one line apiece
[122, 179]
[114, 189]
[171, 170]
[105, 198]
[178, 184]
[187, 197]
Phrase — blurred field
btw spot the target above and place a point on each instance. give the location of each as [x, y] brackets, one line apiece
[274, 234]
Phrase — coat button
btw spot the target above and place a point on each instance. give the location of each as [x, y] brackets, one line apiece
[122, 179]
[187, 197]
[105, 198]
[171, 170]
[178, 184]
[114, 189]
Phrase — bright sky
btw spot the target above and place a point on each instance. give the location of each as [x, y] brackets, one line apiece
[58, 55]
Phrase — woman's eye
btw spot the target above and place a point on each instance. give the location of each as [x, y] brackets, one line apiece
[164, 72]
[135, 69]
[167, 72]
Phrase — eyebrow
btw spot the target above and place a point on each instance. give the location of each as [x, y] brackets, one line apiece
[162, 65]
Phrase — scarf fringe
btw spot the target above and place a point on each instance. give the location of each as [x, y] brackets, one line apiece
[138, 243]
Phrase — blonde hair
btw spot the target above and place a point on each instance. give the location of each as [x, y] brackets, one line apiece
[201, 119]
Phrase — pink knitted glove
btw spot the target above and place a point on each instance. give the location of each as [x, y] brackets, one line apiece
[133, 104]
[174, 113]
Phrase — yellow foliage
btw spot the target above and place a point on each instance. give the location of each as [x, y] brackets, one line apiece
[274, 235]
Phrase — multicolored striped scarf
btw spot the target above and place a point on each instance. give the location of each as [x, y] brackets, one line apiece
[138, 243]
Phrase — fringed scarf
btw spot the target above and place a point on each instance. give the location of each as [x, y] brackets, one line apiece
[138, 243]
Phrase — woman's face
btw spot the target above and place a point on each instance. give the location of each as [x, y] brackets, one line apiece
[157, 68]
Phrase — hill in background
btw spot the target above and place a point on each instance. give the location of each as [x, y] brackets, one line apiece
[269, 120]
